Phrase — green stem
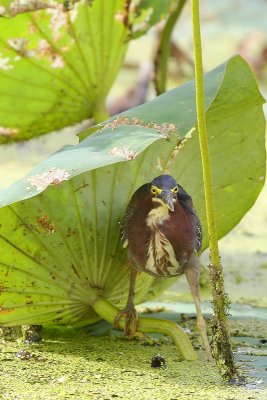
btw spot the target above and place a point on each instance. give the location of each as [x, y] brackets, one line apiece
[221, 338]
[100, 113]
[107, 311]
[163, 50]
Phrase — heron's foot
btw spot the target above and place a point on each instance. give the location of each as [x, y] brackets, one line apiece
[131, 321]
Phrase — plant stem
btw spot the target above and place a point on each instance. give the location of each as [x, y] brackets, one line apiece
[221, 345]
[100, 113]
[108, 312]
[163, 49]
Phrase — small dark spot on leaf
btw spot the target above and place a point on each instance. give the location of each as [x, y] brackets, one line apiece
[46, 223]
[82, 186]
[97, 287]
[56, 320]
[70, 232]
[75, 270]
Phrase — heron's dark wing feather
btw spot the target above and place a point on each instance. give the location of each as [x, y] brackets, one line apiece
[186, 202]
[184, 199]
[124, 223]
[198, 235]
[134, 204]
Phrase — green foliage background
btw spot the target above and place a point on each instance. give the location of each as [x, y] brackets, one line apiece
[60, 234]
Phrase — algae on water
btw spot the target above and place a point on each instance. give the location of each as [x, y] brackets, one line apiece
[76, 365]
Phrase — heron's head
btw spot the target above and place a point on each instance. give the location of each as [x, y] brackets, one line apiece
[164, 190]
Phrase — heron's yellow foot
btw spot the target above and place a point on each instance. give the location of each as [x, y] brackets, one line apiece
[131, 321]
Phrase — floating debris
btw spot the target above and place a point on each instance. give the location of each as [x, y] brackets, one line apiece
[124, 152]
[52, 177]
[5, 131]
[24, 355]
[158, 361]
[165, 129]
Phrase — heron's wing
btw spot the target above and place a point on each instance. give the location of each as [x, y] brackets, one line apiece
[186, 202]
[198, 235]
[134, 204]
[124, 224]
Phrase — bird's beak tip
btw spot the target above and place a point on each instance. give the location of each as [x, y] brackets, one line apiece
[167, 198]
[171, 207]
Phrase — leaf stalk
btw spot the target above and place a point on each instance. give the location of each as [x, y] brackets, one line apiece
[163, 50]
[221, 345]
[108, 312]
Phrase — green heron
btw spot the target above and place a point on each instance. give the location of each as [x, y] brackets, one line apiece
[163, 235]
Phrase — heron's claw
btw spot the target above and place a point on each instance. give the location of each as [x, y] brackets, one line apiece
[131, 321]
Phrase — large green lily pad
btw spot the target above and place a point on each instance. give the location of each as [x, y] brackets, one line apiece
[60, 232]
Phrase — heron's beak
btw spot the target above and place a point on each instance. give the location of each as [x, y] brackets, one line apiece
[167, 197]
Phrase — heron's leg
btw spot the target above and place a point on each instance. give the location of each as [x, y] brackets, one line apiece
[192, 272]
[129, 312]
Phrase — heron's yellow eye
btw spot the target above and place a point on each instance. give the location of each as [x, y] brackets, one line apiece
[175, 190]
[154, 190]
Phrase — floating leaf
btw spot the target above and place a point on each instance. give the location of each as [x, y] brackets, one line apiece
[60, 233]
[146, 13]
[57, 66]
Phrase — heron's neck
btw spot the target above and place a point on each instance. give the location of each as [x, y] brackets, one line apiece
[157, 216]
